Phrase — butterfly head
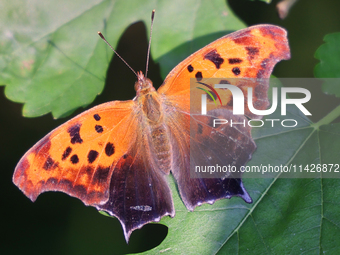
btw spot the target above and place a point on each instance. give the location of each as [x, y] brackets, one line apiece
[143, 85]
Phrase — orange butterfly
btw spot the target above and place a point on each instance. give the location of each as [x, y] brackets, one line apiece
[116, 156]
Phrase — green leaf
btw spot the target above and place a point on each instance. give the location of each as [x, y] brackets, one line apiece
[52, 59]
[329, 66]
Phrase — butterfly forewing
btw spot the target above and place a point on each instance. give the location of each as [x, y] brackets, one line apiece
[78, 157]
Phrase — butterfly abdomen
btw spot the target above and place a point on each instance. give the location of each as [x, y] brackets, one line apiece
[161, 147]
[157, 134]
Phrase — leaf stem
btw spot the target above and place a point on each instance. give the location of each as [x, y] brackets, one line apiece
[328, 118]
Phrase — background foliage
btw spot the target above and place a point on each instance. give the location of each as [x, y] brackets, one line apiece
[52, 60]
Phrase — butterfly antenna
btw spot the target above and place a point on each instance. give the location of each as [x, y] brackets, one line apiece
[101, 35]
[148, 56]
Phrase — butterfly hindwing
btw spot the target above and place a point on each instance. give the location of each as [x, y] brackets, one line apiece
[198, 144]
[139, 192]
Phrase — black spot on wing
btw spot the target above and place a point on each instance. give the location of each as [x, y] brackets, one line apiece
[233, 61]
[236, 71]
[50, 164]
[109, 149]
[214, 57]
[92, 156]
[96, 117]
[190, 68]
[198, 76]
[252, 51]
[99, 129]
[74, 159]
[74, 133]
[66, 153]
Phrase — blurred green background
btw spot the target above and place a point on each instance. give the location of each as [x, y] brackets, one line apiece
[65, 225]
